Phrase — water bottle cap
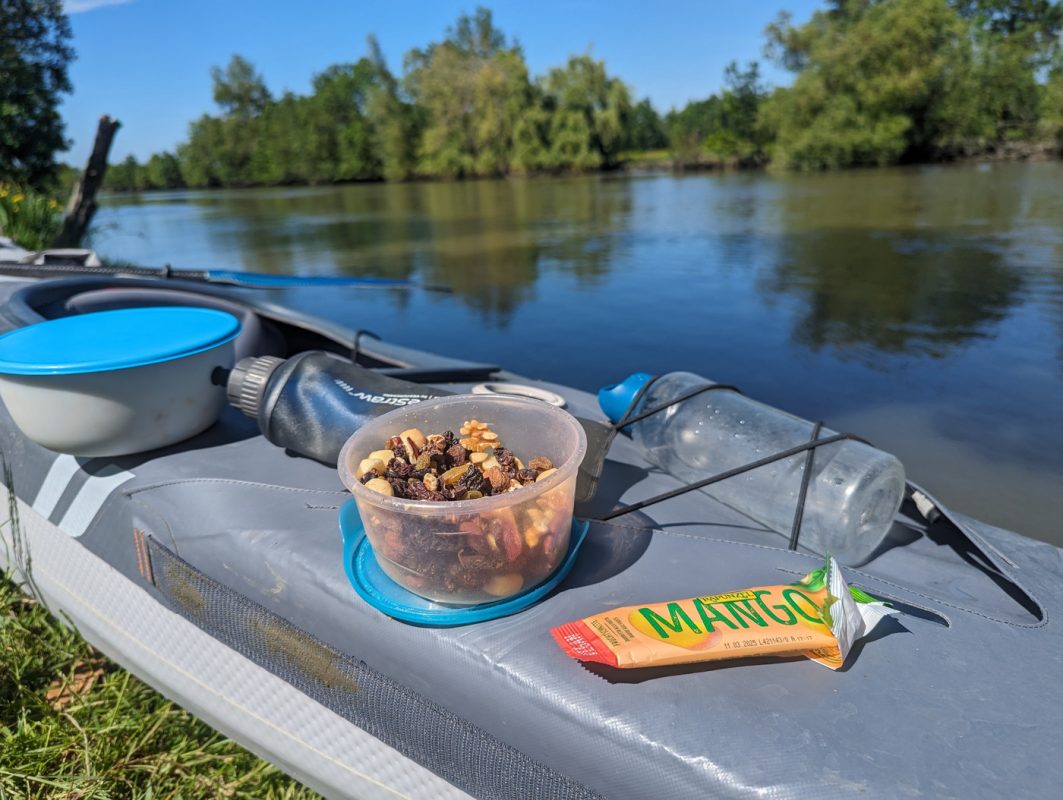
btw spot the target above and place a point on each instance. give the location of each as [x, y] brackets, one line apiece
[615, 399]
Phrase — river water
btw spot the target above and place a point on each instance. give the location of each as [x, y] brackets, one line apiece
[920, 308]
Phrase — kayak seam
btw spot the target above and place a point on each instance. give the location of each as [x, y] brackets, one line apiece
[1039, 624]
[232, 482]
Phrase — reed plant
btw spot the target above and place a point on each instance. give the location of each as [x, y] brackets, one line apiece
[32, 219]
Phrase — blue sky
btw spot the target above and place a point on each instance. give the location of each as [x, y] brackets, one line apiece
[147, 62]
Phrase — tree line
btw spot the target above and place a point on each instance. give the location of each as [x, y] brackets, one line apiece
[875, 82]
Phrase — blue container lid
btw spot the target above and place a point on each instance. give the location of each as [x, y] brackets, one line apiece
[377, 589]
[107, 340]
[615, 399]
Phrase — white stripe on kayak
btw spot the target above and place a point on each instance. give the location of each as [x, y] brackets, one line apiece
[90, 500]
[58, 478]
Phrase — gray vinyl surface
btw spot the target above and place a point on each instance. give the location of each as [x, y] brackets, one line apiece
[958, 697]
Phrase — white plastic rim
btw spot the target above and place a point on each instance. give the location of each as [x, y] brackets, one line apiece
[520, 390]
[118, 412]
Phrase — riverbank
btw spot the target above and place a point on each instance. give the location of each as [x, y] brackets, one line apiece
[664, 161]
[651, 162]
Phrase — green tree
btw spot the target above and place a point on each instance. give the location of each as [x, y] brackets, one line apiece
[394, 124]
[723, 126]
[239, 89]
[1051, 122]
[125, 176]
[163, 171]
[34, 55]
[531, 147]
[202, 155]
[645, 129]
[590, 114]
[473, 87]
[878, 82]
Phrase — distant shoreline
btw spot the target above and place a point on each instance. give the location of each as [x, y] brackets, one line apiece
[663, 163]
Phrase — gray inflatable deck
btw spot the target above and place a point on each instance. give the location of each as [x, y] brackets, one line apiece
[959, 696]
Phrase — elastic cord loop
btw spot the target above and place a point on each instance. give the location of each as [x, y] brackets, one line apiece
[801, 448]
[628, 420]
[799, 513]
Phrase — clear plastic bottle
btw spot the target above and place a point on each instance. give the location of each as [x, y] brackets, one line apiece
[853, 493]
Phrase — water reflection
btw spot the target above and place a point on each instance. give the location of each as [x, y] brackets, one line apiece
[865, 292]
[487, 240]
[922, 308]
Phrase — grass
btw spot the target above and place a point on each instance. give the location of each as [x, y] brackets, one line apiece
[76, 727]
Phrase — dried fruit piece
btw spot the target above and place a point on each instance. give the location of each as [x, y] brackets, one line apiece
[540, 463]
[399, 468]
[497, 478]
[456, 455]
[431, 482]
[531, 537]
[418, 491]
[473, 480]
[453, 475]
[527, 475]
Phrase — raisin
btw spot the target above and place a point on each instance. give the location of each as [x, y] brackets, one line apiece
[399, 468]
[449, 439]
[473, 480]
[418, 491]
[497, 478]
[527, 475]
[506, 461]
[540, 463]
[398, 486]
[456, 455]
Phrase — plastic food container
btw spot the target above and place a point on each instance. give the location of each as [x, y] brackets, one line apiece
[473, 551]
[117, 382]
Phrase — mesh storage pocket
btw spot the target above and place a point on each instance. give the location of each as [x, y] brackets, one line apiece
[450, 746]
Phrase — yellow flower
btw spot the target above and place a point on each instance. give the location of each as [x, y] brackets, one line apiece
[53, 205]
[18, 198]
[3, 191]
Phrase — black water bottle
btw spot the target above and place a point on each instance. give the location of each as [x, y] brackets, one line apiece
[312, 402]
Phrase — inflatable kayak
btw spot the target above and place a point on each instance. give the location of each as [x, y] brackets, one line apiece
[214, 570]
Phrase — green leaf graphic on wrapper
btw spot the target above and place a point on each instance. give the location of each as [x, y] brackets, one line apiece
[817, 579]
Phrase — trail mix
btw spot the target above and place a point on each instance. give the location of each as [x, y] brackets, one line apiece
[441, 467]
[485, 555]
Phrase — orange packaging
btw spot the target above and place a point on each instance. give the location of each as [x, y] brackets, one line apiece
[819, 617]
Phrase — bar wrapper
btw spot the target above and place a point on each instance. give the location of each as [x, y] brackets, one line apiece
[819, 616]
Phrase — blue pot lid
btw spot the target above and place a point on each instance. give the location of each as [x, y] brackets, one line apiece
[107, 340]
